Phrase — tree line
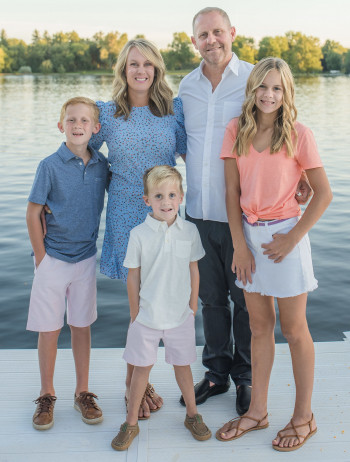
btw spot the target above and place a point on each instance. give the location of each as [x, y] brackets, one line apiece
[67, 52]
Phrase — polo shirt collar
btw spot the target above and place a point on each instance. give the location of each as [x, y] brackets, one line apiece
[233, 66]
[66, 154]
[156, 224]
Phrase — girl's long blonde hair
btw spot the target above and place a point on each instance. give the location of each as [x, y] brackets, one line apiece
[160, 94]
[284, 131]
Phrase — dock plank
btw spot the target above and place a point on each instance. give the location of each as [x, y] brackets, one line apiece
[163, 438]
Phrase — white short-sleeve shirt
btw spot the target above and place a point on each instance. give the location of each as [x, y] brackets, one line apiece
[164, 254]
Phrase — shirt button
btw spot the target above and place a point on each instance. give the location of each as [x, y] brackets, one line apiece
[80, 163]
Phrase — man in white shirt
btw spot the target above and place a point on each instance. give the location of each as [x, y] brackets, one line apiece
[212, 95]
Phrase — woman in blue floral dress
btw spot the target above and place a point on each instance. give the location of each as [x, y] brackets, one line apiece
[142, 126]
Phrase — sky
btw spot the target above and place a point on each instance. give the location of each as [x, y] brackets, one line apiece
[158, 20]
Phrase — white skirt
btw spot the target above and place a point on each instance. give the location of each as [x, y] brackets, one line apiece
[294, 275]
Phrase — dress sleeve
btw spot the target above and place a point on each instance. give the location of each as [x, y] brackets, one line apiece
[98, 139]
[181, 138]
[307, 152]
[229, 139]
[41, 185]
[133, 253]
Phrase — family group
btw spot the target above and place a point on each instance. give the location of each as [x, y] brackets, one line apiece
[249, 164]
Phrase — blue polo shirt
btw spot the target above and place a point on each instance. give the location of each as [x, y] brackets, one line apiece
[75, 194]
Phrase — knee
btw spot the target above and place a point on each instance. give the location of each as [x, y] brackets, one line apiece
[293, 334]
[49, 335]
[78, 330]
[262, 328]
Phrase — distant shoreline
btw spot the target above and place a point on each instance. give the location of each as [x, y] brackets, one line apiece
[180, 73]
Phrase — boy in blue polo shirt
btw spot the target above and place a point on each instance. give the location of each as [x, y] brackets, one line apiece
[72, 183]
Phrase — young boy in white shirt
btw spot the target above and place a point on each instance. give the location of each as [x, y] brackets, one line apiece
[162, 285]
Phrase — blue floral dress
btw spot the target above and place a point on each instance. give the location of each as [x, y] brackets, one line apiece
[134, 145]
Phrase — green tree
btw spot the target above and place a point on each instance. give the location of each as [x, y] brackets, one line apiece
[347, 62]
[272, 46]
[245, 49]
[3, 57]
[333, 55]
[304, 53]
[46, 67]
[179, 54]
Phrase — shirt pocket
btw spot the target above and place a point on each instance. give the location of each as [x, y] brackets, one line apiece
[183, 249]
[230, 111]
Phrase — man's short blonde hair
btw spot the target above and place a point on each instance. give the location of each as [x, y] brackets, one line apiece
[81, 100]
[160, 174]
[211, 9]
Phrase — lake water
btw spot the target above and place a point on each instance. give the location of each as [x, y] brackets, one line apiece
[30, 107]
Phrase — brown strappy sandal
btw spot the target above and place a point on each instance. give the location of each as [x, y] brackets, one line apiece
[238, 428]
[142, 402]
[150, 392]
[302, 439]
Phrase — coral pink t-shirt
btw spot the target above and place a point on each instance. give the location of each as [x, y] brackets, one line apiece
[268, 181]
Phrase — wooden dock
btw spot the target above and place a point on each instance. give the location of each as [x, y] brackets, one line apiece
[163, 438]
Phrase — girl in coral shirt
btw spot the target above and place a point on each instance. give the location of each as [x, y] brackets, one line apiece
[265, 151]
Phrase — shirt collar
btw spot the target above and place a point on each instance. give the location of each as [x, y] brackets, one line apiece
[156, 224]
[233, 66]
[66, 154]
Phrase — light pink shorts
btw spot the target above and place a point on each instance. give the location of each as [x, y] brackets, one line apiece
[54, 282]
[142, 344]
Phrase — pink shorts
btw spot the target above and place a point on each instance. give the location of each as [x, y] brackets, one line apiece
[54, 282]
[142, 344]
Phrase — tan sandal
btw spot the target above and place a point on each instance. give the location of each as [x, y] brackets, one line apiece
[142, 402]
[125, 437]
[296, 434]
[238, 428]
[150, 392]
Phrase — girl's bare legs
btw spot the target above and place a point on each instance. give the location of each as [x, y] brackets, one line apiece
[184, 379]
[295, 329]
[81, 347]
[262, 319]
[138, 385]
[47, 352]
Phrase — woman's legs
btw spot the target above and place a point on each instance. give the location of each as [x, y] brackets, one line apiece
[295, 329]
[262, 319]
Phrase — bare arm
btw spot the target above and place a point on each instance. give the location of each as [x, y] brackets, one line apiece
[133, 286]
[35, 231]
[282, 244]
[243, 263]
[194, 286]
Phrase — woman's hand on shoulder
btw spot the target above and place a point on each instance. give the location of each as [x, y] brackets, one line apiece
[243, 264]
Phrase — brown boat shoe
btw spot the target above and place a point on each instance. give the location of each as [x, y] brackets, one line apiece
[85, 403]
[125, 437]
[197, 427]
[43, 415]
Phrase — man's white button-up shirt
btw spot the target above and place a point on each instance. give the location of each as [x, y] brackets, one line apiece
[206, 115]
[164, 255]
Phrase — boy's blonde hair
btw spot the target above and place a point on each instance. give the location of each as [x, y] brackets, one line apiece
[283, 130]
[81, 100]
[160, 94]
[159, 174]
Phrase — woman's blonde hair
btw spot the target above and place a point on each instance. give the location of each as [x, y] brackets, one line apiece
[284, 131]
[160, 94]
